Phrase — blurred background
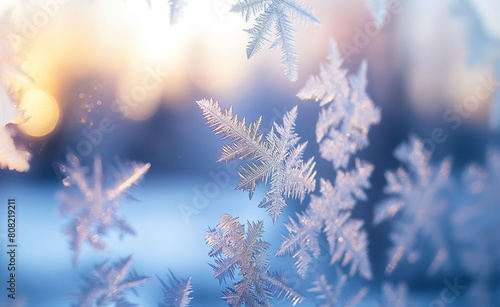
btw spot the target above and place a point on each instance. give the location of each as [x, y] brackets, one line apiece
[114, 78]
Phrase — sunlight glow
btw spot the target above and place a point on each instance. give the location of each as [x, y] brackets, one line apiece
[41, 111]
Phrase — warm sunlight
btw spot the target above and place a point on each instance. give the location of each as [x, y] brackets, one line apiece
[41, 111]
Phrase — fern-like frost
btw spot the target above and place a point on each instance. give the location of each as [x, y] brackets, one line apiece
[177, 292]
[414, 194]
[276, 161]
[330, 295]
[237, 250]
[109, 284]
[347, 113]
[330, 213]
[278, 14]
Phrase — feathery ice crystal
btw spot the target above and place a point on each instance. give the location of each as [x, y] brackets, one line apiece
[177, 293]
[331, 213]
[278, 14]
[330, 295]
[347, 113]
[278, 158]
[236, 249]
[415, 192]
[92, 206]
[109, 284]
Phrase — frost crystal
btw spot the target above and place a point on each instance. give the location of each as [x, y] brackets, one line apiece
[278, 14]
[177, 293]
[234, 249]
[414, 192]
[109, 285]
[93, 208]
[278, 158]
[330, 295]
[476, 227]
[331, 213]
[343, 125]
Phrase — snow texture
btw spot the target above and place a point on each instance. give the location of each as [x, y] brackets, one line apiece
[277, 14]
[277, 160]
[109, 284]
[235, 249]
[92, 206]
[347, 113]
[415, 194]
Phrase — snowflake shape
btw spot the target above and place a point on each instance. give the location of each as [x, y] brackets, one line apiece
[94, 209]
[415, 192]
[234, 249]
[109, 284]
[177, 293]
[347, 113]
[278, 158]
[330, 213]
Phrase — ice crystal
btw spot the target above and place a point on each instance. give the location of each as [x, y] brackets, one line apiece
[330, 295]
[92, 206]
[177, 294]
[347, 113]
[476, 226]
[109, 284]
[277, 160]
[330, 213]
[235, 249]
[414, 192]
[395, 296]
[278, 14]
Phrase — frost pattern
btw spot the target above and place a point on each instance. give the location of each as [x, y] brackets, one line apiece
[330, 294]
[414, 192]
[93, 207]
[237, 250]
[476, 227]
[109, 284]
[343, 125]
[330, 213]
[177, 293]
[277, 14]
[278, 158]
